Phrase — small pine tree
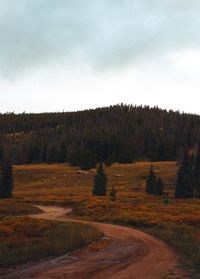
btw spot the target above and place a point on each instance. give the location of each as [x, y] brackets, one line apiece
[100, 182]
[112, 194]
[6, 179]
[151, 182]
[185, 178]
[159, 189]
[165, 197]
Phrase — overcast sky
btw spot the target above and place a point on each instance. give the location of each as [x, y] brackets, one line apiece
[74, 54]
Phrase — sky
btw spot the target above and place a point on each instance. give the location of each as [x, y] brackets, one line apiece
[68, 55]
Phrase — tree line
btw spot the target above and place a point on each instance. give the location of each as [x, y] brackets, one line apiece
[6, 178]
[120, 133]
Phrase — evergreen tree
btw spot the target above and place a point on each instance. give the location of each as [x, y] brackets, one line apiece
[151, 182]
[119, 133]
[159, 187]
[197, 176]
[185, 177]
[166, 197]
[112, 194]
[100, 182]
[6, 179]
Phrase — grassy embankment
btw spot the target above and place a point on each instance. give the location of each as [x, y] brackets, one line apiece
[24, 239]
[178, 222]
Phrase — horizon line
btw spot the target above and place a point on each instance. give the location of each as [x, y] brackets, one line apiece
[102, 107]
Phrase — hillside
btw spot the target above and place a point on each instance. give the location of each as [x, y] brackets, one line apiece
[114, 134]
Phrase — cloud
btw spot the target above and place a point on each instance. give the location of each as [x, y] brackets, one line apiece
[103, 34]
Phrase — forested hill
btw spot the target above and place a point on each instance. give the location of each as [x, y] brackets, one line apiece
[114, 134]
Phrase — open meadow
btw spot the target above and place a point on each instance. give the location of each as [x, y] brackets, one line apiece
[178, 222]
[24, 239]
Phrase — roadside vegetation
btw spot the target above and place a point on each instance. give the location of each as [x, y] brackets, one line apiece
[177, 222]
[26, 239]
[10, 208]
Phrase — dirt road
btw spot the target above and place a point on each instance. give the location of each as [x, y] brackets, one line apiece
[123, 253]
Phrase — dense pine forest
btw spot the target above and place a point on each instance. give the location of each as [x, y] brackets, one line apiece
[118, 133]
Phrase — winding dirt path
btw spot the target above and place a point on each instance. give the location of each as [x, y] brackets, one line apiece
[124, 253]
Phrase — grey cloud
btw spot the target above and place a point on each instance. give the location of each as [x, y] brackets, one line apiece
[102, 33]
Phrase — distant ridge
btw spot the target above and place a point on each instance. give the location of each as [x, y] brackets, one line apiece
[120, 133]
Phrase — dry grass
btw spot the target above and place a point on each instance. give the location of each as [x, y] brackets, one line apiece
[15, 208]
[51, 184]
[24, 239]
[177, 222]
[61, 184]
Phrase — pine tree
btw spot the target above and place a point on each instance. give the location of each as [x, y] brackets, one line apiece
[166, 197]
[159, 187]
[100, 182]
[112, 194]
[6, 179]
[185, 177]
[151, 182]
[197, 176]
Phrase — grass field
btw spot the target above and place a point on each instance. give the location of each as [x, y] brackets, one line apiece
[24, 239]
[178, 222]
